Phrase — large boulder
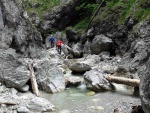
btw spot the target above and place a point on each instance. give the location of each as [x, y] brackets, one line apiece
[71, 35]
[86, 49]
[79, 67]
[40, 105]
[50, 78]
[96, 81]
[77, 50]
[13, 72]
[145, 87]
[101, 43]
[17, 32]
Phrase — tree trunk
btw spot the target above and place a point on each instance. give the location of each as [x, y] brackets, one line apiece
[33, 81]
[9, 103]
[94, 15]
[126, 81]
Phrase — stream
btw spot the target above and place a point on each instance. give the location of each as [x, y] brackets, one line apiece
[79, 100]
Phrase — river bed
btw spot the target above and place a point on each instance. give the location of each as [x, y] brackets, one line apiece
[82, 100]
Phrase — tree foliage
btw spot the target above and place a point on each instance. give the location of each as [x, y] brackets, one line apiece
[86, 8]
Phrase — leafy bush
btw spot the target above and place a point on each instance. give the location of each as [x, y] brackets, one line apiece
[86, 8]
[40, 6]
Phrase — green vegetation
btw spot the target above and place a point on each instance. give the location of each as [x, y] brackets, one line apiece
[85, 11]
[81, 25]
[40, 6]
[119, 10]
[112, 10]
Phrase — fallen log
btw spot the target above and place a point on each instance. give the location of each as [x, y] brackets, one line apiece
[122, 80]
[8, 102]
[69, 49]
[33, 81]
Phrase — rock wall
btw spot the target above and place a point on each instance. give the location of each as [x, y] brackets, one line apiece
[16, 31]
[60, 17]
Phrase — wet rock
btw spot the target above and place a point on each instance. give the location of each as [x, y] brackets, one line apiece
[73, 80]
[22, 110]
[96, 81]
[90, 93]
[40, 105]
[25, 88]
[79, 67]
[49, 77]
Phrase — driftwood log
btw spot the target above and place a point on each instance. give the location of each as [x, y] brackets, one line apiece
[33, 81]
[8, 102]
[122, 80]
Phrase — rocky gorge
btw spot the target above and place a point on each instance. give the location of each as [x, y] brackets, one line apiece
[106, 48]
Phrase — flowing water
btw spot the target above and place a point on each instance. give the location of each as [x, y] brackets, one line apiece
[81, 100]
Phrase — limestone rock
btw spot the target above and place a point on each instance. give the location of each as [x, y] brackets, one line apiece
[101, 43]
[95, 81]
[79, 67]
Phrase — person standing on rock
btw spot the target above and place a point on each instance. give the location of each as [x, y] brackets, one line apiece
[58, 45]
[52, 40]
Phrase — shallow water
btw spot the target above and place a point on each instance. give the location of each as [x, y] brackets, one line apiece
[77, 100]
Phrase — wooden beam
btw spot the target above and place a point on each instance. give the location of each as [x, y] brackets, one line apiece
[122, 80]
[33, 81]
[8, 102]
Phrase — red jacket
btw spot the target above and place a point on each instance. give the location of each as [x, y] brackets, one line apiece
[59, 43]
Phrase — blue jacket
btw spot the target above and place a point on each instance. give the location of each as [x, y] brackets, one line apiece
[51, 39]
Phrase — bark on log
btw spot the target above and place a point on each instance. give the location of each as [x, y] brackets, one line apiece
[69, 49]
[94, 15]
[122, 80]
[8, 102]
[33, 81]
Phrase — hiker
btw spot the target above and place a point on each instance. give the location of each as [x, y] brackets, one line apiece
[58, 45]
[52, 40]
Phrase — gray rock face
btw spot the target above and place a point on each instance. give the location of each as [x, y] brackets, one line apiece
[17, 32]
[49, 78]
[60, 17]
[71, 35]
[134, 60]
[77, 48]
[95, 81]
[73, 80]
[13, 72]
[65, 1]
[22, 110]
[144, 88]
[101, 43]
[86, 49]
[40, 104]
[79, 67]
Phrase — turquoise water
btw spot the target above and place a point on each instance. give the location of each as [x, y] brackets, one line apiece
[76, 100]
